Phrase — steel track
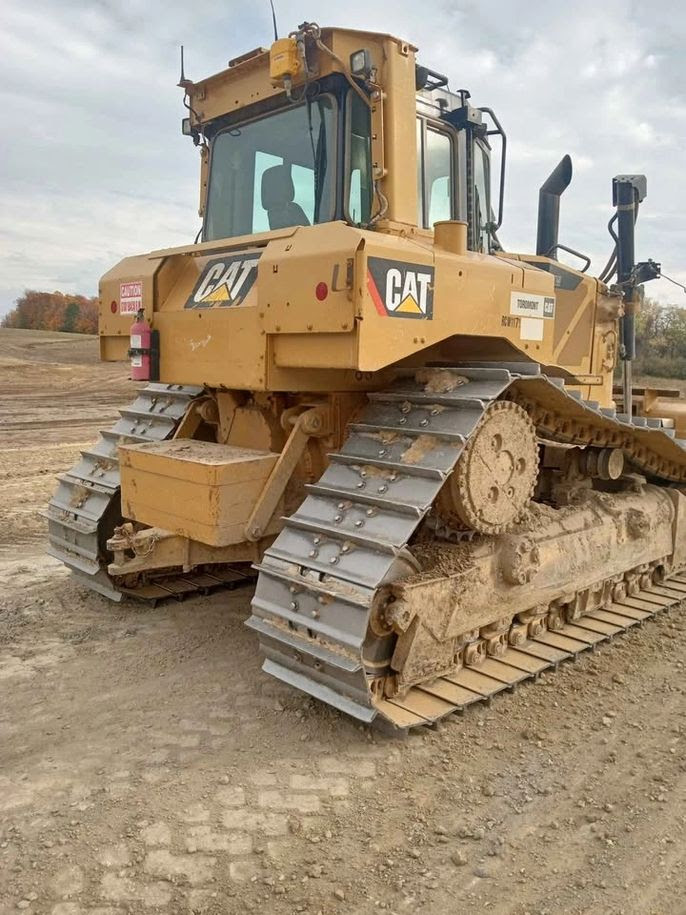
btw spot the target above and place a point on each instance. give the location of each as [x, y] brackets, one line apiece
[86, 506]
[318, 581]
[431, 701]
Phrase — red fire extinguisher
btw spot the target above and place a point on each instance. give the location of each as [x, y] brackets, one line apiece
[141, 338]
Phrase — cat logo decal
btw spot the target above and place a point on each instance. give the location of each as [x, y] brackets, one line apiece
[399, 289]
[224, 281]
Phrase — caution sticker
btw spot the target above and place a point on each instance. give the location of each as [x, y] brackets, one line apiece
[130, 298]
[399, 289]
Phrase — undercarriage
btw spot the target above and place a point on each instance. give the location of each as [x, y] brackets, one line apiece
[476, 525]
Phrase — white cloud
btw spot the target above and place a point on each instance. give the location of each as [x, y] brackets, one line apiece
[95, 168]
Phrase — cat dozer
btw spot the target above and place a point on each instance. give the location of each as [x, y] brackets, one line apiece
[350, 389]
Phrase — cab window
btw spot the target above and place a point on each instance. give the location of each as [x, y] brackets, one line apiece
[273, 172]
[435, 175]
[359, 195]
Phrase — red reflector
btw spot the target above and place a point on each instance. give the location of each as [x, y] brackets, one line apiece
[321, 291]
[113, 307]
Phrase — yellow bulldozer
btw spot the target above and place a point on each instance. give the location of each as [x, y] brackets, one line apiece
[407, 437]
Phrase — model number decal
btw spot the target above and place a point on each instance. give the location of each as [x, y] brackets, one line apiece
[399, 289]
[530, 305]
[224, 281]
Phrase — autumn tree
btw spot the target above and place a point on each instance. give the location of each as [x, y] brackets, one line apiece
[87, 319]
[54, 311]
[661, 340]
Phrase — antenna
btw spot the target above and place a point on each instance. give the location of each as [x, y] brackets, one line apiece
[182, 78]
[276, 31]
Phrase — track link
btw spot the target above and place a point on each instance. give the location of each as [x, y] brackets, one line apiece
[319, 580]
[86, 505]
[434, 700]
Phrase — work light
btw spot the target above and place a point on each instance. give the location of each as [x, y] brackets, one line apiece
[361, 63]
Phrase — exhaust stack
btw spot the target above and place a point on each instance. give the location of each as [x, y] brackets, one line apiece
[549, 206]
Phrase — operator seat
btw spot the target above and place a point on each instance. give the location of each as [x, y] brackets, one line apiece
[277, 198]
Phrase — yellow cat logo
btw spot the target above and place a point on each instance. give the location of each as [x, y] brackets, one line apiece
[225, 281]
[399, 289]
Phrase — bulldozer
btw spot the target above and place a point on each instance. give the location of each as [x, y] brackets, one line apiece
[407, 439]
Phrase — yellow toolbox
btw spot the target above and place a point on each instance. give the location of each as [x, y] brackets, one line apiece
[201, 490]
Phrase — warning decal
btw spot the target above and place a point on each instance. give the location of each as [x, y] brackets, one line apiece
[224, 281]
[130, 298]
[399, 289]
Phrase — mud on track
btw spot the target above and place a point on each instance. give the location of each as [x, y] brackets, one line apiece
[146, 765]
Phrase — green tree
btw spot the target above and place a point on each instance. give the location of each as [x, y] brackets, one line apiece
[71, 314]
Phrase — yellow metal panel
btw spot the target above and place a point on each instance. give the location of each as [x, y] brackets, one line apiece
[290, 271]
[294, 378]
[400, 138]
[113, 319]
[213, 346]
[233, 88]
[114, 349]
[220, 245]
[170, 275]
[200, 462]
[215, 343]
[321, 351]
[471, 296]
[215, 487]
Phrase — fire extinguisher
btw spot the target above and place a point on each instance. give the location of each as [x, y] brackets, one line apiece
[144, 350]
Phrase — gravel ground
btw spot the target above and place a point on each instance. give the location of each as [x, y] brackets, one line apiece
[147, 765]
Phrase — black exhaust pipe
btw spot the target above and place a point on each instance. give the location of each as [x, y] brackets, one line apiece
[628, 191]
[549, 207]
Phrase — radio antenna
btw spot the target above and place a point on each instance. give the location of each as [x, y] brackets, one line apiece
[182, 79]
[276, 31]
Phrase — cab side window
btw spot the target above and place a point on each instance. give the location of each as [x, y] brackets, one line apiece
[435, 175]
[359, 194]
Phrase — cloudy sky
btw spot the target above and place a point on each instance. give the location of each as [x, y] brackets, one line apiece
[94, 165]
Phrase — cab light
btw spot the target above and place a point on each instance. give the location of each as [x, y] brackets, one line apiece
[361, 63]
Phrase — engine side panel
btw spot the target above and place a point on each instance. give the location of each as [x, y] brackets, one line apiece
[332, 306]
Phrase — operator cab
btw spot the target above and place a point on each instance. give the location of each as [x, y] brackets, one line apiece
[305, 157]
[454, 161]
[305, 162]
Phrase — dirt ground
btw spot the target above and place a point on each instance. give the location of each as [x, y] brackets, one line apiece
[147, 765]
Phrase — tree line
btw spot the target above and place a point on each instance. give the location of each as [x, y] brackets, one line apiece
[661, 340]
[74, 314]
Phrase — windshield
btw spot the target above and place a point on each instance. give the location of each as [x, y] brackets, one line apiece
[273, 173]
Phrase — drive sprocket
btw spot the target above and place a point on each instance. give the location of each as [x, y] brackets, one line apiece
[495, 476]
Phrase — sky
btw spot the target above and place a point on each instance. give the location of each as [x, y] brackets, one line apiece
[93, 165]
